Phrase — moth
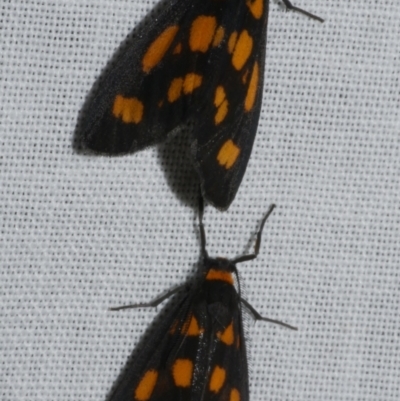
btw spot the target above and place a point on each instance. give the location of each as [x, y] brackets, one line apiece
[199, 65]
[198, 350]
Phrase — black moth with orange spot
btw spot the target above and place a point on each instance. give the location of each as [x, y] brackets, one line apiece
[198, 352]
[200, 65]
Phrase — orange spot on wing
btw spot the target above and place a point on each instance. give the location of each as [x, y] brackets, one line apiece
[158, 48]
[217, 379]
[221, 103]
[191, 327]
[235, 395]
[219, 35]
[220, 95]
[252, 89]
[175, 89]
[129, 110]
[256, 8]
[182, 371]
[232, 41]
[242, 51]
[178, 48]
[221, 112]
[146, 385]
[227, 336]
[192, 81]
[214, 274]
[202, 33]
[228, 154]
[186, 85]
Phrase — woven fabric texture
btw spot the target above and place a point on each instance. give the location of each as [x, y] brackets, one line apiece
[82, 233]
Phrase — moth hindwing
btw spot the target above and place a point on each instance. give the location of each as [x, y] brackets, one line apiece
[198, 351]
[200, 65]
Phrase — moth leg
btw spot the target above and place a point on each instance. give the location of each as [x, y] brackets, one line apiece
[245, 258]
[257, 316]
[152, 304]
[290, 6]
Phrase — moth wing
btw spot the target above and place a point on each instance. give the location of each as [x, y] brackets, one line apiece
[201, 64]
[123, 114]
[228, 370]
[222, 145]
[167, 363]
[158, 80]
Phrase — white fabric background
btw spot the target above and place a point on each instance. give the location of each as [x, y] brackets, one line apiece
[80, 233]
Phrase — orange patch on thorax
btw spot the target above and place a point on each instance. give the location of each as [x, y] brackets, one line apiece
[214, 274]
